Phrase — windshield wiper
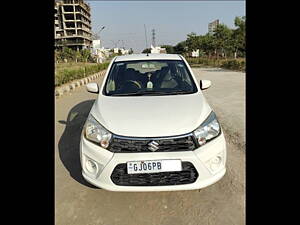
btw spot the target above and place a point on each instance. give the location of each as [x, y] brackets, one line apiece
[145, 92]
[180, 92]
[140, 93]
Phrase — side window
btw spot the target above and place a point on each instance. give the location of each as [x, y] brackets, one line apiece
[111, 85]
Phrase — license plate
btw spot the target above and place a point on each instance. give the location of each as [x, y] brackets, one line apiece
[153, 166]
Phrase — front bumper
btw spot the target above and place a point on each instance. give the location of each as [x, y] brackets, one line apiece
[201, 159]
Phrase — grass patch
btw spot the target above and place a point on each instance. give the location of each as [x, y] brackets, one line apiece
[231, 64]
[66, 72]
[61, 66]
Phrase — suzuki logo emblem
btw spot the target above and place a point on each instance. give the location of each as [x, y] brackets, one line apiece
[153, 146]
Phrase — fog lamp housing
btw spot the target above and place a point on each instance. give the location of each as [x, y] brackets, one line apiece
[91, 166]
[215, 163]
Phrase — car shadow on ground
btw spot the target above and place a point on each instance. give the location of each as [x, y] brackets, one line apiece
[68, 145]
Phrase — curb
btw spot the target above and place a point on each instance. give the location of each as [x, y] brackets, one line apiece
[66, 88]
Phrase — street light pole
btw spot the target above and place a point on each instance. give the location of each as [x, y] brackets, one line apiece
[97, 35]
[102, 28]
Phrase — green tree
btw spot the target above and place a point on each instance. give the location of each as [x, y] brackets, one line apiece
[192, 42]
[147, 50]
[130, 51]
[228, 47]
[67, 54]
[238, 35]
[169, 49]
[223, 41]
[180, 48]
[78, 56]
[85, 54]
[207, 44]
[222, 36]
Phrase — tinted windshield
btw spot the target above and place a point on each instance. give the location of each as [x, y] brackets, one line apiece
[149, 77]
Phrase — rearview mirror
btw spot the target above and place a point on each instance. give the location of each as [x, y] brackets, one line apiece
[204, 84]
[92, 87]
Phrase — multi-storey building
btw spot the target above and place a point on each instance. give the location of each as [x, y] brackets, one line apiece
[212, 26]
[72, 24]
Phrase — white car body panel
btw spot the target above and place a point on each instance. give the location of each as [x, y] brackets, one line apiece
[150, 117]
[198, 157]
[152, 56]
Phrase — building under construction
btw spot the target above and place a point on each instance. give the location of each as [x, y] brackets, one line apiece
[72, 24]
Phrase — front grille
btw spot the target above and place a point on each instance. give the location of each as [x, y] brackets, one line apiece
[134, 145]
[188, 175]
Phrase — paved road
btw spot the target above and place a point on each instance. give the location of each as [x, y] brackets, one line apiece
[227, 98]
[223, 203]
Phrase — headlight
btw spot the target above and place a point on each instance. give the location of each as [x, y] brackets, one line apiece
[208, 130]
[96, 133]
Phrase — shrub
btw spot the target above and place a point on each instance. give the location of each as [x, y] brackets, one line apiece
[234, 64]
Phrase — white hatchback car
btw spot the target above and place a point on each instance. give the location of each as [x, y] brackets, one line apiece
[151, 129]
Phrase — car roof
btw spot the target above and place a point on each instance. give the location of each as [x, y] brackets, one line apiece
[153, 56]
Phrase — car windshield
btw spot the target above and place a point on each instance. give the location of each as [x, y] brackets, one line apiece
[149, 77]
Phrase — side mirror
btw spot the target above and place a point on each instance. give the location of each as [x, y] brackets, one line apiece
[204, 84]
[92, 87]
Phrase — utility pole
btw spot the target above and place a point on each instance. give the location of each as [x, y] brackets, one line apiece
[146, 36]
[153, 38]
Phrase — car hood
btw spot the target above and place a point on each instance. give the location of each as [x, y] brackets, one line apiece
[151, 116]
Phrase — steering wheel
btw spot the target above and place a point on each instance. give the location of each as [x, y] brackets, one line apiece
[131, 84]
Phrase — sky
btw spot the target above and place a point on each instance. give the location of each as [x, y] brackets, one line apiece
[125, 21]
